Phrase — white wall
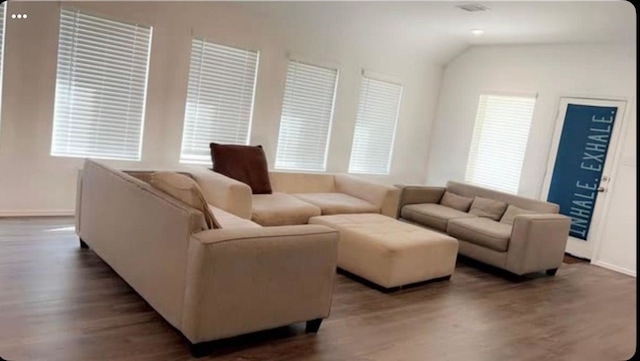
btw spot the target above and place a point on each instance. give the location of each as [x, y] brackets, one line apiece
[33, 182]
[550, 71]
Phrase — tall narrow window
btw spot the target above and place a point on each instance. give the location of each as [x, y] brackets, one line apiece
[375, 127]
[499, 141]
[219, 100]
[3, 14]
[101, 87]
[307, 112]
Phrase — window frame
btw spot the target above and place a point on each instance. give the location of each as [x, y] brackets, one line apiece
[366, 76]
[105, 155]
[330, 120]
[476, 139]
[204, 42]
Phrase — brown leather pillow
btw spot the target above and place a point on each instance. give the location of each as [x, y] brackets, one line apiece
[247, 164]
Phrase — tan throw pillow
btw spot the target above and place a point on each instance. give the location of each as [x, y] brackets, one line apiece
[455, 201]
[185, 189]
[512, 212]
[489, 208]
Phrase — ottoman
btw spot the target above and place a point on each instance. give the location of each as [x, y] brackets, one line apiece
[388, 252]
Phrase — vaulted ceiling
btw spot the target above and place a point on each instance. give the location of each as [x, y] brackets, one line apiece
[440, 30]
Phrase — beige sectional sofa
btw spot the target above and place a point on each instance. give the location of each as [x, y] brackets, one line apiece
[297, 197]
[207, 283]
[525, 236]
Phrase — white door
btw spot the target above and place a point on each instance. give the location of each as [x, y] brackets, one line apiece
[580, 165]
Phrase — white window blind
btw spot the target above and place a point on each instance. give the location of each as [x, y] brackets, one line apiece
[375, 127]
[307, 112]
[219, 100]
[100, 87]
[499, 141]
[3, 14]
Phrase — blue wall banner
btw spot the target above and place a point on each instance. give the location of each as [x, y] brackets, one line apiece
[582, 151]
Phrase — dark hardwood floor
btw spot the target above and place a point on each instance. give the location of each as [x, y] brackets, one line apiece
[60, 302]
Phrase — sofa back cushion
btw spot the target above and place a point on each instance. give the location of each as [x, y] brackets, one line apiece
[513, 211]
[468, 190]
[286, 182]
[185, 189]
[489, 208]
[247, 164]
[452, 200]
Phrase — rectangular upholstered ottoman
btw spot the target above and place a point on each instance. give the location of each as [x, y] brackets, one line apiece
[388, 252]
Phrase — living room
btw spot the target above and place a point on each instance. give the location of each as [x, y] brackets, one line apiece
[443, 58]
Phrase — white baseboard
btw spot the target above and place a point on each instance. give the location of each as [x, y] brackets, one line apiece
[37, 213]
[614, 268]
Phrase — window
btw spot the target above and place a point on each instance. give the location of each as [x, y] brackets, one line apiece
[375, 127]
[100, 87]
[499, 141]
[3, 12]
[307, 111]
[219, 100]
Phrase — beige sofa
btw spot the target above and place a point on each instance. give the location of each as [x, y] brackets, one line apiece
[297, 197]
[535, 241]
[209, 284]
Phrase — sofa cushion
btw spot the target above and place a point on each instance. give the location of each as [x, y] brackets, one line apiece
[280, 209]
[511, 213]
[489, 208]
[185, 189]
[337, 203]
[247, 164]
[481, 231]
[455, 201]
[431, 215]
[229, 221]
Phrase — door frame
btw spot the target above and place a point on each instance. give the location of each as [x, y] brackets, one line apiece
[581, 248]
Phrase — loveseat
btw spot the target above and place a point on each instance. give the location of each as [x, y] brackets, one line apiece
[297, 197]
[514, 233]
[207, 283]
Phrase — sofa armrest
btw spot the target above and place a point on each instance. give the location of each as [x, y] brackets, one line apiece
[245, 280]
[538, 242]
[224, 192]
[383, 196]
[414, 194]
[141, 232]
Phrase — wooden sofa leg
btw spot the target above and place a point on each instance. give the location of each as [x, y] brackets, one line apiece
[83, 244]
[313, 326]
[552, 272]
[199, 349]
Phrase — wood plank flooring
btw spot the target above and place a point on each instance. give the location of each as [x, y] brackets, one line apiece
[59, 302]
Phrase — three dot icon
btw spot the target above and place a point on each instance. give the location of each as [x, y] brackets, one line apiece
[18, 16]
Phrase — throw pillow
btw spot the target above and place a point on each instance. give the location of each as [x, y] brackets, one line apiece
[185, 189]
[247, 164]
[512, 212]
[455, 201]
[489, 208]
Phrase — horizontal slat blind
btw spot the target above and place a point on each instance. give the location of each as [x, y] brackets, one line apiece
[375, 127]
[100, 87]
[219, 100]
[3, 14]
[307, 111]
[499, 141]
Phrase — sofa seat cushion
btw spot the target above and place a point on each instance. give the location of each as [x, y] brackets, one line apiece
[229, 220]
[481, 231]
[337, 203]
[281, 209]
[432, 215]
